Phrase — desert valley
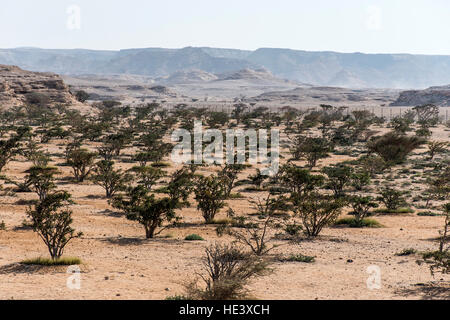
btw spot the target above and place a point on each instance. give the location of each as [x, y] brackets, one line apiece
[358, 208]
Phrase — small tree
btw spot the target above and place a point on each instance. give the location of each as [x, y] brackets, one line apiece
[255, 235]
[147, 176]
[229, 174]
[435, 147]
[300, 181]
[311, 149]
[361, 207]
[82, 163]
[82, 96]
[52, 219]
[11, 146]
[316, 211]
[140, 206]
[339, 177]
[360, 180]
[41, 178]
[391, 198]
[110, 179]
[209, 193]
[181, 185]
[428, 115]
[227, 271]
[440, 259]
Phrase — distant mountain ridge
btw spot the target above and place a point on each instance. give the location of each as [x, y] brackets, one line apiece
[353, 70]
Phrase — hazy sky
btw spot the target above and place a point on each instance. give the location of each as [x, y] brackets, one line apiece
[386, 26]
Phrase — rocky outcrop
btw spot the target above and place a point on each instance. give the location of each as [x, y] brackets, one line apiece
[18, 87]
[439, 96]
[330, 95]
[189, 76]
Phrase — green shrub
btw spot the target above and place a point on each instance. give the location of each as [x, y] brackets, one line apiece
[194, 237]
[298, 258]
[428, 214]
[160, 165]
[396, 211]
[353, 223]
[394, 147]
[50, 262]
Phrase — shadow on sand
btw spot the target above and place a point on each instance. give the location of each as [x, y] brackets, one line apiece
[428, 291]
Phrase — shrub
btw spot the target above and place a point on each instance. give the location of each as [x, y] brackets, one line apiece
[353, 223]
[82, 96]
[316, 211]
[339, 177]
[82, 163]
[229, 174]
[36, 98]
[11, 146]
[428, 214]
[435, 147]
[140, 206]
[298, 180]
[361, 207]
[428, 115]
[209, 193]
[41, 178]
[255, 236]
[391, 198]
[440, 260]
[50, 262]
[148, 176]
[311, 149]
[393, 147]
[181, 185]
[299, 258]
[108, 178]
[227, 271]
[395, 211]
[51, 219]
[194, 237]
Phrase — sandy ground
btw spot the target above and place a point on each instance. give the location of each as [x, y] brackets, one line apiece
[120, 264]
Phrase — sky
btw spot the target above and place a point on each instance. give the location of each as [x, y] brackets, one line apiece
[369, 26]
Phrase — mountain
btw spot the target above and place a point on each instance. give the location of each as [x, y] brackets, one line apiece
[354, 70]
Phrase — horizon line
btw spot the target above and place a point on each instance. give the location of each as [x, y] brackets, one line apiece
[222, 48]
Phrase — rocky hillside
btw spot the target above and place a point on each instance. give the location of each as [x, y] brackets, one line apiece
[18, 87]
[439, 96]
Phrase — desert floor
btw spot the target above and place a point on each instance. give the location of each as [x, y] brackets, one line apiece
[118, 263]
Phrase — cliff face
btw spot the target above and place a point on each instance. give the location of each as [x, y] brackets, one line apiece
[18, 87]
[439, 96]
